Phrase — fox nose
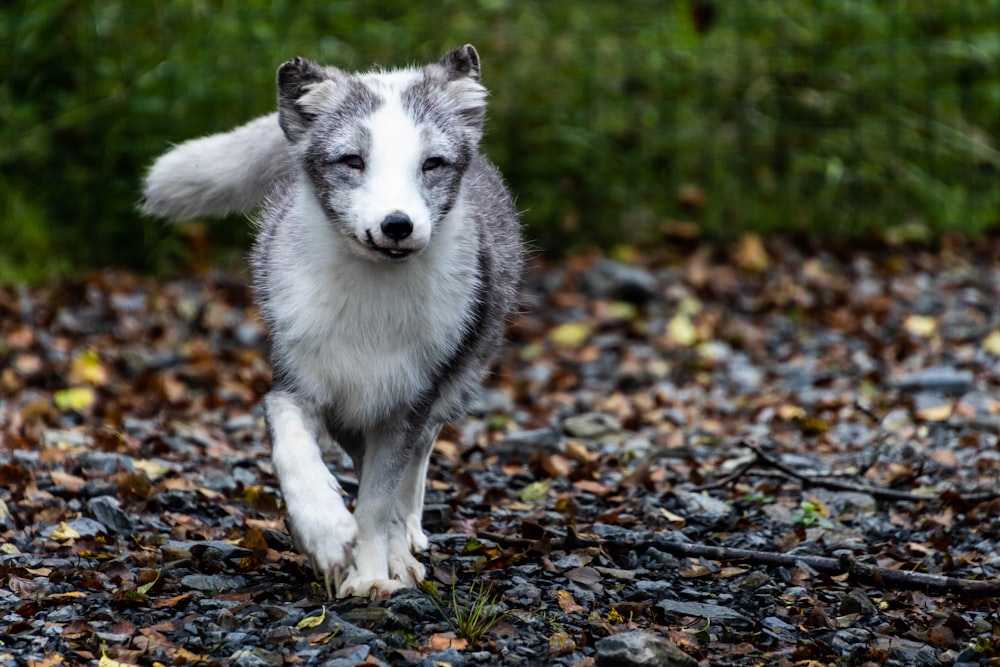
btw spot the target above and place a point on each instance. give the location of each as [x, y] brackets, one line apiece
[397, 226]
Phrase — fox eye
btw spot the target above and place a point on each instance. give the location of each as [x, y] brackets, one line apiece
[352, 161]
[432, 163]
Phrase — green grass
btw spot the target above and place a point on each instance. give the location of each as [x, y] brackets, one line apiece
[472, 617]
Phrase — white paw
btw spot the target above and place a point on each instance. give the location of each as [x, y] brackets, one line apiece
[356, 584]
[415, 534]
[324, 530]
[403, 567]
[378, 571]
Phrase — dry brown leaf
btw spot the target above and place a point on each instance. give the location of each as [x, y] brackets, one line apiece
[72, 483]
[749, 254]
[732, 571]
[695, 571]
[170, 602]
[561, 643]
[585, 576]
[555, 465]
[575, 451]
[935, 413]
[441, 641]
[590, 486]
[567, 603]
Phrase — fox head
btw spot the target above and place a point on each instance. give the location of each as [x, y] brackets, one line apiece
[385, 151]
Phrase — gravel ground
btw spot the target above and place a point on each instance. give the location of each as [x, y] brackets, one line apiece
[795, 403]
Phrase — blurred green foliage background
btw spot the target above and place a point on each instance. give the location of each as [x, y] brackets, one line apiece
[840, 118]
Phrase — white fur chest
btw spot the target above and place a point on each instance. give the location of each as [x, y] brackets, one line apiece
[366, 337]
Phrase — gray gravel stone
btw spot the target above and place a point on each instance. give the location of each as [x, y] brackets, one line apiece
[108, 511]
[213, 582]
[591, 425]
[715, 613]
[640, 649]
[939, 379]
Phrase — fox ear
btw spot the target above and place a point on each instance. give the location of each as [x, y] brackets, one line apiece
[462, 86]
[461, 62]
[295, 78]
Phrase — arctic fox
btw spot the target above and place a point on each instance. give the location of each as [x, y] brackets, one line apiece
[387, 261]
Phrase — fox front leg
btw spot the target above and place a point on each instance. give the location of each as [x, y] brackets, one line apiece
[319, 521]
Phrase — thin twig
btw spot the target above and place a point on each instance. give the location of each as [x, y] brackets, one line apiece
[877, 492]
[832, 483]
[731, 477]
[856, 571]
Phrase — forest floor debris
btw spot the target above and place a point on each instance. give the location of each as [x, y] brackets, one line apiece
[650, 427]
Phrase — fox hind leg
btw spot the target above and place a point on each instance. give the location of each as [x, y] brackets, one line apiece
[390, 502]
[411, 498]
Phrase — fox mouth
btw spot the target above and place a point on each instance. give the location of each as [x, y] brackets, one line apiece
[394, 254]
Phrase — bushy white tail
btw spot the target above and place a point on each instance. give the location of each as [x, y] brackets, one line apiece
[218, 174]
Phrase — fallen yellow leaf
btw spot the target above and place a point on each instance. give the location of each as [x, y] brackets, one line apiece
[312, 621]
[153, 469]
[74, 398]
[992, 343]
[923, 326]
[675, 519]
[570, 334]
[68, 595]
[87, 369]
[680, 330]
[105, 661]
[535, 492]
[623, 310]
[64, 532]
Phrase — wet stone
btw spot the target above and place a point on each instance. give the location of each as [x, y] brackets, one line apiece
[713, 612]
[640, 649]
[64, 614]
[925, 656]
[108, 511]
[856, 602]
[653, 587]
[213, 582]
[654, 559]
[621, 281]
[447, 657]
[525, 594]
[849, 639]
[591, 425]
[527, 442]
[938, 379]
[248, 659]
[106, 463]
[780, 629]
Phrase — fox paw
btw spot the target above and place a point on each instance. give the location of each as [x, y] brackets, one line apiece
[356, 584]
[324, 530]
[403, 567]
[415, 534]
[366, 579]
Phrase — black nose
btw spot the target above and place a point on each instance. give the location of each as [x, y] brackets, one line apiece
[397, 226]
